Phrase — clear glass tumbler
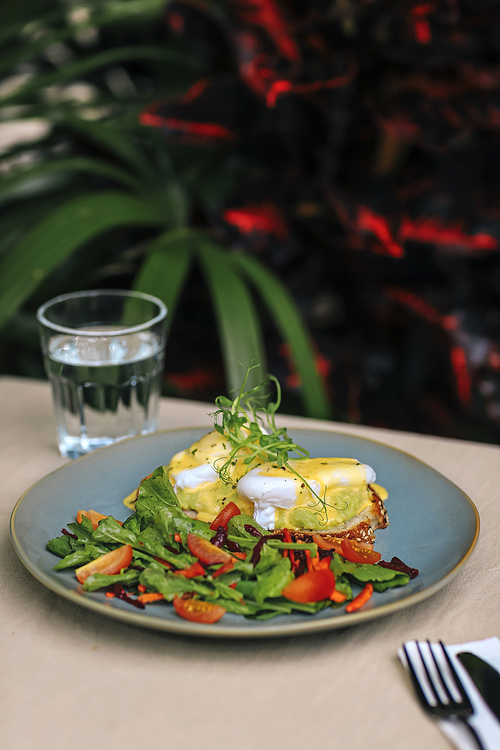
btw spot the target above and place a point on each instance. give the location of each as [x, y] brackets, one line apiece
[103, 352]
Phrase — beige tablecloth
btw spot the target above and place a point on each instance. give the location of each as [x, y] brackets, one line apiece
[73, 680]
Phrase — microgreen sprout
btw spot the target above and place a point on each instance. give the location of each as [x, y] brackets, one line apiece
[248, 422]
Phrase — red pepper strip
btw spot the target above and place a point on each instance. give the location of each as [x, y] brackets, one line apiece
[223, 569]
[233, 585]
[360, 599]
[194, 570]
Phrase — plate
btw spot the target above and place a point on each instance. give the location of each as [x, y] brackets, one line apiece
[433, 527]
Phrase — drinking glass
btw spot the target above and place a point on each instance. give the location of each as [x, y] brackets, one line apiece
[103, 352]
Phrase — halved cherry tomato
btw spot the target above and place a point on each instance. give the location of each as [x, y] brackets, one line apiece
[225, 515]
[194, 570]
[109, 564]
[197, 610]
[359, 553]
[323, 543]
[93, 516]
[311, 587]
[205, 551]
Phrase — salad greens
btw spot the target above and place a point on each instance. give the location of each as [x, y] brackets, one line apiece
[158, 534]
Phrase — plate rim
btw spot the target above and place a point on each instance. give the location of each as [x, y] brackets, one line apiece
[184, 627]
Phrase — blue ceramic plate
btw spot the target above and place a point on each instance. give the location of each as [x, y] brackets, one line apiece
[433, 527]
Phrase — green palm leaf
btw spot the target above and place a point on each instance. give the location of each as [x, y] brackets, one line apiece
[65, 230]
[239, 326]
[291, 326]
[111, 138]
[166, 267]
[101, 59]
[10, 186]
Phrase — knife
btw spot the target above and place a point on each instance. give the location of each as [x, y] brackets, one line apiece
[485, 677]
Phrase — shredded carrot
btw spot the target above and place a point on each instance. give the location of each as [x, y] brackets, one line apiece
[141, 588]
[287, 537]
[109, 594]
[147, 598]
[360, 599]
[177, 537]
[309, 561]
[338, 597]
[239, 555]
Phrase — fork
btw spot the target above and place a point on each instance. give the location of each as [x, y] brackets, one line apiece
[435, 696]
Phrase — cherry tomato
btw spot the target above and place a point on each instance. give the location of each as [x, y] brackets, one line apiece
[109, 564]
[230, 510]
[197, 610]
[311, 587]
[359, 553]
[205, 551]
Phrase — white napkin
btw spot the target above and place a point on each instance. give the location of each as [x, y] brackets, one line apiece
[484, 720]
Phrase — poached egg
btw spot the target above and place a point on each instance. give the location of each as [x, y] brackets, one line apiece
[328, 492]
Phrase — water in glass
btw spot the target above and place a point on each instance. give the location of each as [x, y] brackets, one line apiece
[105, 388]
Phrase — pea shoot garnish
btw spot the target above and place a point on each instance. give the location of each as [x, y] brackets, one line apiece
[248, 423]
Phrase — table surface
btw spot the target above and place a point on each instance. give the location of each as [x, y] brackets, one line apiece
[73, 679]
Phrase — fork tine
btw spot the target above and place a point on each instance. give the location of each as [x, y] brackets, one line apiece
[430, 678]
[439, 671]
[414, 678]
[458, 684]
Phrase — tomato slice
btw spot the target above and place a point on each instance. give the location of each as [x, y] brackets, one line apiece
[205, 551]
[196, 610]
[109, 564]
[311, 587]
[359, 553]
[228, 512]
[323, 543]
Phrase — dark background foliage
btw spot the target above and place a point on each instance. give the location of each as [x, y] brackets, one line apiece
[351, 147]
